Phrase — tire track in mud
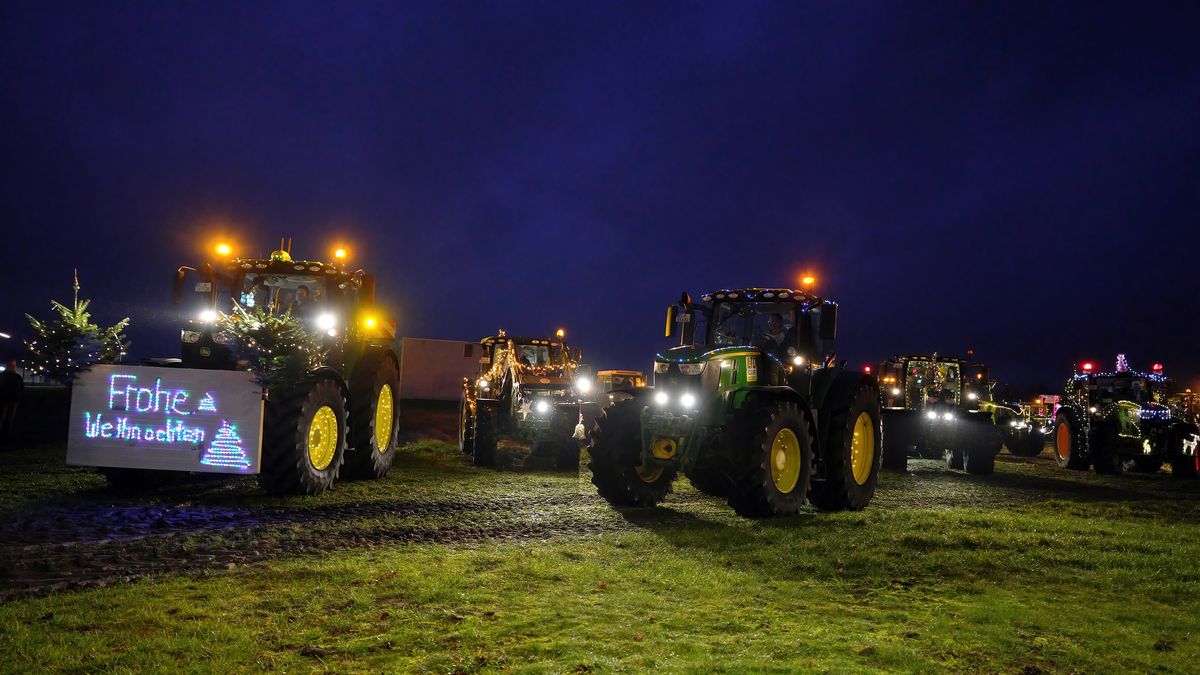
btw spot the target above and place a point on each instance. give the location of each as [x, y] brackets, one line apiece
[86, 546]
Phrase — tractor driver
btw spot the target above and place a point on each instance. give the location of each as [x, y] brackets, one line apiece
[774, 339]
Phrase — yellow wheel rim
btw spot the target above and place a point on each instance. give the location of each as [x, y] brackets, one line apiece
[383, 418]
[648, 474]
[1062, 442]
[322, 438]
[785, 460]
[862, 448]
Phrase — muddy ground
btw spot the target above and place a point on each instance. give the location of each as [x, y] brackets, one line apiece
[64, 528]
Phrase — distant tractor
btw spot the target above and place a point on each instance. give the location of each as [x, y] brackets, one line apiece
[938, 407]
[614, 386]
[1119, 421]
[751, 406]
[339, 420]
[529, 389]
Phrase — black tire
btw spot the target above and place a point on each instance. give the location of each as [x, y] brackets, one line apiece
[484, 451]
[287, 467]
[897, 438]
[1103, 446]
[954, 459]
[1028, 444]
[1143, 464]
[1184, 466]
[768, 452]
[710, 480]
[374, 416]
[466, 428]
[617, 455]
[1070, 442]
[980, 458]
[840, 489]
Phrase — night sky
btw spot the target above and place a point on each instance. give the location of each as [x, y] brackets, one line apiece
[1020, 178]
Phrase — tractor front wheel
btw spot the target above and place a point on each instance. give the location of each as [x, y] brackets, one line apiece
[616, 464]
[304, 438]
[466, 427]
[374, 414]
[770, 453]
[854, 453]
[484, 436]
[1070, 441]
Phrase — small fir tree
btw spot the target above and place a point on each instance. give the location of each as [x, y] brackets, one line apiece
[278, 349]
[70, 343]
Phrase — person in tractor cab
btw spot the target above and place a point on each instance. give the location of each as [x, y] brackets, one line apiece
[774, 339]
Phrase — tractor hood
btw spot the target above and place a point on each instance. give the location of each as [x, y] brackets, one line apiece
[696, 354]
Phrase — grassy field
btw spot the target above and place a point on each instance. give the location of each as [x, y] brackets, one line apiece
[443, 567]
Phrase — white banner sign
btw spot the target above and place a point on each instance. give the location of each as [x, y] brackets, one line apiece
[174, 419]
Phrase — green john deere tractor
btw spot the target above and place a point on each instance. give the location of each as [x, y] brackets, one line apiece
[341, 419]
[751, 406]
[1121, 421]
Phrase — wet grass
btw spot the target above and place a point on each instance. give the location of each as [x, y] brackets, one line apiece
[1032, 569]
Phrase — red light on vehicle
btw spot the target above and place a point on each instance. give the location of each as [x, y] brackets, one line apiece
[1087, 366]
[867, 369]
[1157, 367]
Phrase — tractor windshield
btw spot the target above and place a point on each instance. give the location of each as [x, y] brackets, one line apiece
[1112, 389]
[932, 381]
[763, 324]
[279, 293]
[539, 355]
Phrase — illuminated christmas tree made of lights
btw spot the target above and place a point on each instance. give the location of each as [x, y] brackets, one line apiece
[1122, 364]
[226, 449]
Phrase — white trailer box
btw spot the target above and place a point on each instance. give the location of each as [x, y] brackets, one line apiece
[173, 419]
[433, 370]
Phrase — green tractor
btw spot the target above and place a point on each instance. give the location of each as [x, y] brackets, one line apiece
[530, 389]
[751, 406]
[1120, 421]
[939, 407]
[342, 419]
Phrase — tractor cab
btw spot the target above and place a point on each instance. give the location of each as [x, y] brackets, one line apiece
[334, 304]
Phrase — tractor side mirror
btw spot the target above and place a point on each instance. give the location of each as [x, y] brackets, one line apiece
[366, 292]
[177, 287]
[576, 354]
[827, 330]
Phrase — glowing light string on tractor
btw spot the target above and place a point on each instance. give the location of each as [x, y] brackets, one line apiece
[207, 404]
[226, 449]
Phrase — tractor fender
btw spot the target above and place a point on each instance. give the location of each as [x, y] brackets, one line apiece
[333, 374]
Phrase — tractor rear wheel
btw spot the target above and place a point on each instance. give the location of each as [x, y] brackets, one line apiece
[484, 435]
[374, 417]
[981, 443]
[1070, 441]
[769, 452]
[304, 437]
[853, 453]
[616, 464]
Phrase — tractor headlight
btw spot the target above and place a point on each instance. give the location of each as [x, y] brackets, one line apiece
[691, 368]
[1092, 409]
[583, 385]
[687, 401]
[541, 407]
[972, 396]
[189, 337]
[661, 366]
[931, 415]
[661, 398]
[484, 385]
[797, 360]
[895, 391]
[208, 315]
[948, 416]
[326, 321]
[222, 338]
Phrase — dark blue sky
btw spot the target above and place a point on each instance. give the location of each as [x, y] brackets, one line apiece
[1021, 178]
